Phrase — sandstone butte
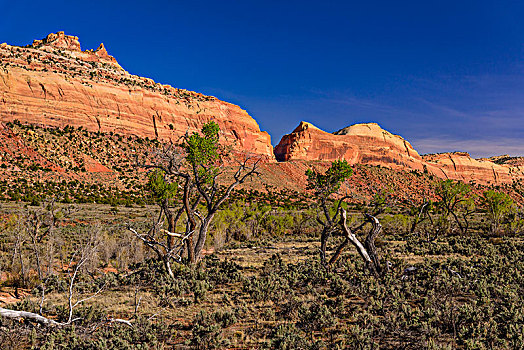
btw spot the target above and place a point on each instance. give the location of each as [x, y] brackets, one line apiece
[53, 83]
[370, 144]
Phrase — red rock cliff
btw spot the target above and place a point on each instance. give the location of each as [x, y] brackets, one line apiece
[372, 145]
[54, 83]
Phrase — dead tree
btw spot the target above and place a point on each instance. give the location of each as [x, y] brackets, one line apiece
[84, 253]
[367, 251]
[38, 226]
[18, 315]
[165, 252]
[29, 231]
[369, 244]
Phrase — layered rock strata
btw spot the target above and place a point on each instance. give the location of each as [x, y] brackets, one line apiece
[372, 145]
[53, 83]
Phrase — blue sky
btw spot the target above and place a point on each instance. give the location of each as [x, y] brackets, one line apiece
[446, 75]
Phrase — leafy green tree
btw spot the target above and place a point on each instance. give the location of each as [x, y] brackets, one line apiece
[498, 206]
[382, 201]
[164, 193]
[454, 195]
[324, 185]
[194, 168]
[466, 209]
[206, 165]
[161, 189]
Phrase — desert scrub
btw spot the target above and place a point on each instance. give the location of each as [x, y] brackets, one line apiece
[221, 272]
[287, 337]
[188, 282]
[143, 335]
[459, 291]
[207, 329]
[279, 281]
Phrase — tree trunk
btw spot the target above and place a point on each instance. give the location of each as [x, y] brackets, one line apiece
[418, 218]
[369, 243]
[202, 235]
[28, 315]
[367, 251]
[350, 236]
[171, 228]
[167, 265]
[326, 232]
[190, 252]
[457, 220]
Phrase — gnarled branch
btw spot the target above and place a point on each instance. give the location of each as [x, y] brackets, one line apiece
[367, 250]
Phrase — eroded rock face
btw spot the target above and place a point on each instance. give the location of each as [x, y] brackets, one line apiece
[370, 144]
[53, 83]
[360, 143]
[102, 53]
[59, 40]
[460, 166]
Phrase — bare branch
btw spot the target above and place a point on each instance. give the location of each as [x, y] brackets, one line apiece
[119, 320]
[90, 297]
[172, 234]
[350, 237]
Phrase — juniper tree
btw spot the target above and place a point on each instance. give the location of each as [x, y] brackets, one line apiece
[324, 185]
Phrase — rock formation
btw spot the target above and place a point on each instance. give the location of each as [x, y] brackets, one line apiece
[370, 144]
[360, 143]
[460, 166]
[53, 83]
[59, 40]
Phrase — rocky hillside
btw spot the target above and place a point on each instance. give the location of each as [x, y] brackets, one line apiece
[78, 165]
[370, 144]
[54, 83]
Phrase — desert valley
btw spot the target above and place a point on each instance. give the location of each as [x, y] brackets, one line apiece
[138, 215]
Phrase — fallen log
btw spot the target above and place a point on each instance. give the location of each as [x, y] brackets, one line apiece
[18, 315]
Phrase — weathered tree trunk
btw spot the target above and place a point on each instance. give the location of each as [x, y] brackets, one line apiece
[171, 227]
[28, 315]
[457, 220]
[326, 233]
[167, 265]
[350, 237]
[367, 251]
[369, 243]
[202, 235]
[419, 217]
[466, 223]
[190, 251]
